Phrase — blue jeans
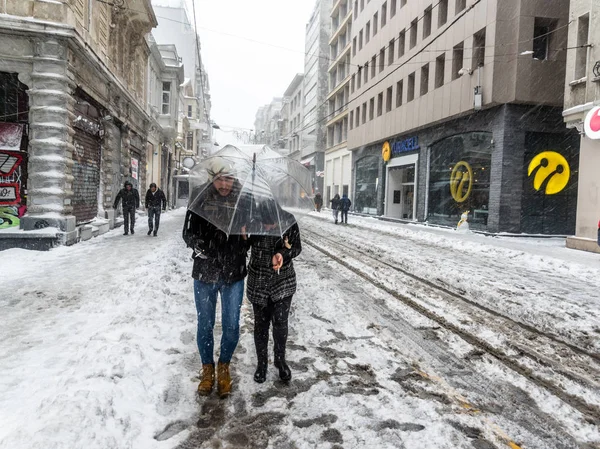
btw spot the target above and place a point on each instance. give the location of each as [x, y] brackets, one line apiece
[205, 295]
[153, 218]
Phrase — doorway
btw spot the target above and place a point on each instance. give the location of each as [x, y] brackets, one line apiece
[400, 192]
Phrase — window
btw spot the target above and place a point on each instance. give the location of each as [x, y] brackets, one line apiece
[354, 47]
[389, 99]
[351, 119]
[190, 111]
[362, 5]
[364, 113]
[384, 15]
[359, 78]
[460, 5]
[442, 13]
[379, 104]
[373, 66]
[413, 33]
[583, 25]
[399, 92]
[391, 51]
[355, 9]
[392, 8]
[368, 33]
[360, 39]
[424, 79]
[381, 59]
[166, 98]
[189, 144]
[371, 108]
[457, 60]
[542, 34]
[375, 23]
[352, 83]
[402, 3]
[401, 43]
[366, 72]
[357, 117]
[479, 49]
[410, 96]
[427, 23]
[440, 67]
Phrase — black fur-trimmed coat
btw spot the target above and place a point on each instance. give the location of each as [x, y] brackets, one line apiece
[263, 282]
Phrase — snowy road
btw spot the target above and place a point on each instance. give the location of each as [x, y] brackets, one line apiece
[97, 350]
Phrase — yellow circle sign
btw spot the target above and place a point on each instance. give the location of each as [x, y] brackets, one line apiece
[386, 151]
[551, 172]
[461, 181]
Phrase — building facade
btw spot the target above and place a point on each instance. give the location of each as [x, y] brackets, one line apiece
[338, 168]
[293, 112]
[269, 124]
[456, 107]
[582, 102]
[74, 123]
[313, 131]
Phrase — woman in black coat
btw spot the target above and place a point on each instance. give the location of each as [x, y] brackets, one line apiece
[271, 285]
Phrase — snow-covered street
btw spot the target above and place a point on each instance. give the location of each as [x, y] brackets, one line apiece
[492, 343]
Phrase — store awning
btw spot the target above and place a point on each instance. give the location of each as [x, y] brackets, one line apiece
[308, 162]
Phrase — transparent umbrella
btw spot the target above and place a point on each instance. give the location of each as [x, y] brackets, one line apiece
[263, 193]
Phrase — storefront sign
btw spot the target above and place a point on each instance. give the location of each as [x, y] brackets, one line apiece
[592, 123]
[134, 168]
[402, 146]
[9, 194]
[386, 152]
[461, 181]
[550, 171]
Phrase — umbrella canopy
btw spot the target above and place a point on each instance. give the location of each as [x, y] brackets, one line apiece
[250, 189]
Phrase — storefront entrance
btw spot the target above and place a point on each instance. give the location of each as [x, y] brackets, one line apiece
[400, 192]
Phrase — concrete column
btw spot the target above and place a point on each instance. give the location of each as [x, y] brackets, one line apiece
[51, 141]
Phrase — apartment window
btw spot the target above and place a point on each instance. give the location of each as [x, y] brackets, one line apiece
[371, 108]
[542, 30]
[355, 9]
[354, 47]
[427, 23]
[364, 113]
[366, 72]
[368, 33]
[352, 83]
[583, 26]
[351, 119]
[424, 79]
[359, 78]
[190, 111]
[381, 59]
[391, 51]
[379, 104]
[360, 39]
[392, 8]
[442, 13]
[410, 95]
[362, 5]
[384, 15]
[375, 23]
[413, 33]
[357, 117]
[373, 66]
[399, 92]
[166, 98]
[479, 49]
[460, 5]
[440, 67]
[401, 43]
[189, 144]
[457, 59]
[389, 99]
[402, 3]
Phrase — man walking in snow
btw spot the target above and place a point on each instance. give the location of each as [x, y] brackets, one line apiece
[131, 201]
[345, 204]
[155, 202]
[219, 268]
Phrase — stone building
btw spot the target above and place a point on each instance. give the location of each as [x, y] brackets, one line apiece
[73, 76]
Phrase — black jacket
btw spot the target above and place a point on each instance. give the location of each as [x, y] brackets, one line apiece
[155, 200]
[130, 198]
[264, 283]
[345, 204]
[335, 204]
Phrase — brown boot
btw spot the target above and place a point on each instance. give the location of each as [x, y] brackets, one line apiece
[223, 380]
[208, 379]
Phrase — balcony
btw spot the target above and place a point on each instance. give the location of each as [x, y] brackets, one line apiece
[343, 83]
[342, 27]
[345, 51]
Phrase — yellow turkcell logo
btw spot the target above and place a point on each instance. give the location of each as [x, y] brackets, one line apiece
[386, 151]
[551, 172]
[461, 181]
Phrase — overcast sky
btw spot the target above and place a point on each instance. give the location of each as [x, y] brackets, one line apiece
[245, 75]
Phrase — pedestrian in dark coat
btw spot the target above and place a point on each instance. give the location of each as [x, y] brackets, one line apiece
[219, 268]
[271, 286]
[318, 202]
[155, 202]
[131, 201]
[345, 204]
[335, 207]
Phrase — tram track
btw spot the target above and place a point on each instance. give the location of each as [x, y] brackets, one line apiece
[567, 371]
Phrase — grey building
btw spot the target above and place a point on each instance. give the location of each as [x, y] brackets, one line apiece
[268, 124]
[452, 112]
[313, 133]
[293, 113]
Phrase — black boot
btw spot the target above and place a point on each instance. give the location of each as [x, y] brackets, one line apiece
[260, 375]
[150, 232]
[285, 373]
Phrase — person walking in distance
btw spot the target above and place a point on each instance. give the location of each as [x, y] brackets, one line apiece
[318, 201]
[155, 202]
[131, 201]
[345, 204]
[335, 207]
[219, 268]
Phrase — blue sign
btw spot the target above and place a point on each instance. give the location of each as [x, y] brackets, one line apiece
[402, 146]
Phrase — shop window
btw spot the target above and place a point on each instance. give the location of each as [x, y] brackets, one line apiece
[442, 13]
[345, 189]
[367, 180]
[583, 25]
[401, 43]
[389, 99]
[399, 92]
[391, 51]
[440, 67]
[380, 104]
[457, 60]
[479, 49]
[459, 179]
[411, 88]
[413, 33]
[424, 79]
[427, 23]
